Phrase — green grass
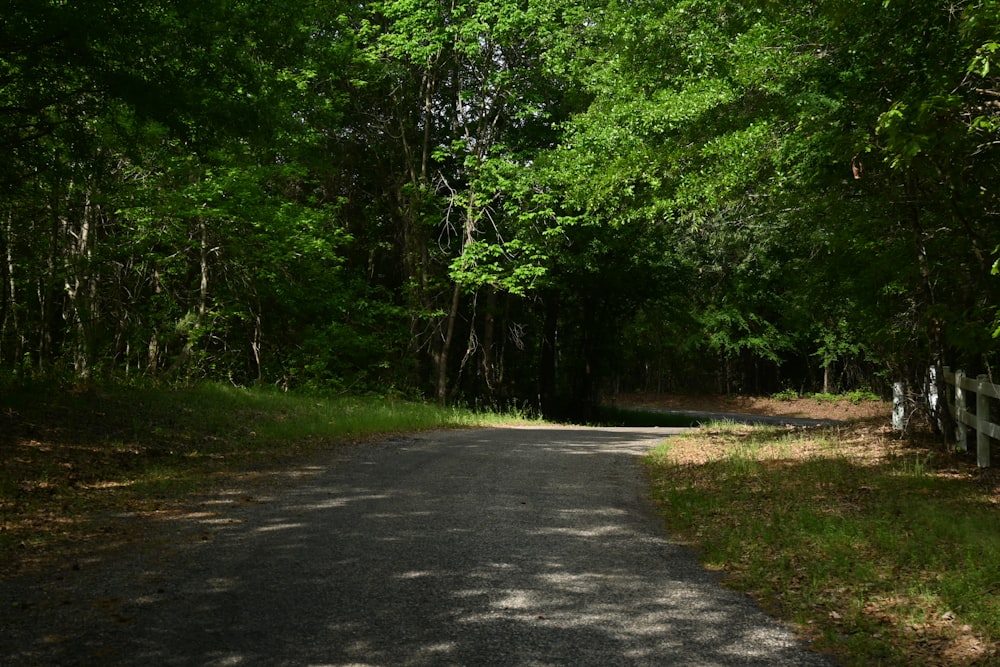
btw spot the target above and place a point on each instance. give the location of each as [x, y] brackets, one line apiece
[885, 555]
[68, 457]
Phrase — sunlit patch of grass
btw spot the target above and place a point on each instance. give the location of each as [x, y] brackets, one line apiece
[884, 554]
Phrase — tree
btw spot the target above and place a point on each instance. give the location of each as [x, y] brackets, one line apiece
[499, 200]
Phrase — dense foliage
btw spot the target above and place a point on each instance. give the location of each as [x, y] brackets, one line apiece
[495, 201]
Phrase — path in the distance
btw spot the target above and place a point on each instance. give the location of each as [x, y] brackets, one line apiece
[521, 546]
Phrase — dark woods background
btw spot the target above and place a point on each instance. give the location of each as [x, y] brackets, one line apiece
[495, 202]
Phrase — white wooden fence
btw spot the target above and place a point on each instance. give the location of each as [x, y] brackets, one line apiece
[973, 412]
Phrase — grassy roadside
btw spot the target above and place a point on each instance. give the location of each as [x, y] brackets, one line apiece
[884, 553]
[69, 460]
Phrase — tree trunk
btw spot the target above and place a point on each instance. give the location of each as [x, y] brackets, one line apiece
[9, 326]
[48, 290]
[412, 192]
[80, 285]
[256, 344]
[491, 374]
[153, 349]
[444, 352]
[547, 403]
[941, 418]
[203, 253]
[201, 309]
[584, 391]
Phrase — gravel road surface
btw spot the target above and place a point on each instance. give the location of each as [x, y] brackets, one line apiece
[518, 546]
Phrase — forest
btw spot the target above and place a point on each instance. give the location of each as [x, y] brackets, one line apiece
[490, 202]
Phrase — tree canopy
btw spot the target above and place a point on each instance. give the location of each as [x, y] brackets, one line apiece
[538, 201]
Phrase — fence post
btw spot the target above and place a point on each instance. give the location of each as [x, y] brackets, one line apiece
[982, 418]
[961, 430]
[898, 406]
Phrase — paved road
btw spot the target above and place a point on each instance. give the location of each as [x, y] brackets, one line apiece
[529, 546]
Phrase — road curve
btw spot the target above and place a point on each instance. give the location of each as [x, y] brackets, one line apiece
[517, 546]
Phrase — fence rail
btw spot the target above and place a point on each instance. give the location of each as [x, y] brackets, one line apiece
[974, 413]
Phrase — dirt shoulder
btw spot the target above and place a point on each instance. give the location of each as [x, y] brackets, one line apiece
[799, 408]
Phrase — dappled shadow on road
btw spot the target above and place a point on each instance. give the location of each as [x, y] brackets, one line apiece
[495, 547]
